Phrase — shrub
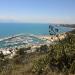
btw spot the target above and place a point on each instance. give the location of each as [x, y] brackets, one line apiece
[44, 48]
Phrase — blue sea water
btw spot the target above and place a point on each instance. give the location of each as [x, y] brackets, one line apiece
[8, 29]
[11, 29]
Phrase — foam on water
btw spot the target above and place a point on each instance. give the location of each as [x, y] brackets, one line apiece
[12, 34]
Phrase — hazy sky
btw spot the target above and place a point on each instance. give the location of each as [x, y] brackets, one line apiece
[42, 11]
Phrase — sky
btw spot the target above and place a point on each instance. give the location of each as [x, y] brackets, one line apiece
[38, 11]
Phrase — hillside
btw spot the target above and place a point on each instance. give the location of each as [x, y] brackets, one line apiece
[47, 60]
[68, 25]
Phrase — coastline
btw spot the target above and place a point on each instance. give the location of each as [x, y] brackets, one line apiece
[47, 38]
[27, 41]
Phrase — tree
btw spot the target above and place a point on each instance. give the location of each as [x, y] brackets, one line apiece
[44, 48]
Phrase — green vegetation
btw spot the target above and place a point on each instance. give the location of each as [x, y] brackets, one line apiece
[60, 58]
[55, 59]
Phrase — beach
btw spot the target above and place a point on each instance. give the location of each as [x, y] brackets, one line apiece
[47, 40]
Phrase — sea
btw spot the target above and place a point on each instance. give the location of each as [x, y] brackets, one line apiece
[15, 34]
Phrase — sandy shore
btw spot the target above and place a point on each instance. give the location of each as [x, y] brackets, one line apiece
[47, 38]
[52, 37]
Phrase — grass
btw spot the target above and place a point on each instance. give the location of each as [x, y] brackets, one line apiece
[43, 63]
